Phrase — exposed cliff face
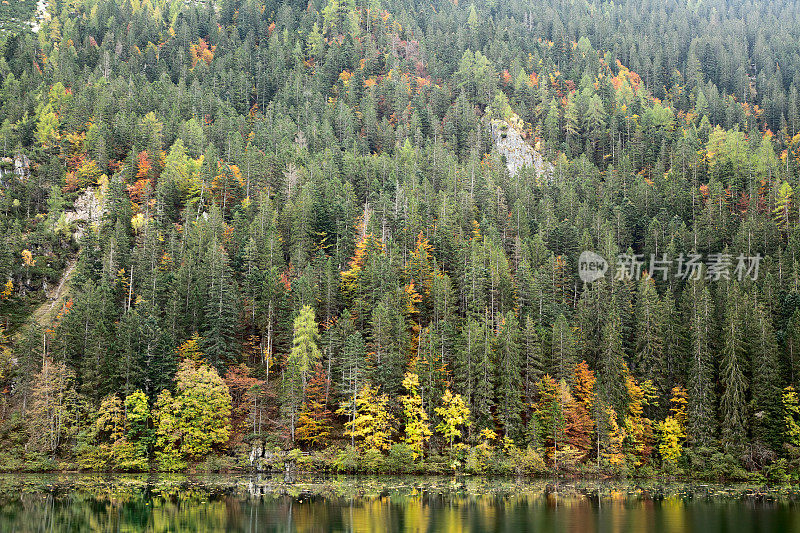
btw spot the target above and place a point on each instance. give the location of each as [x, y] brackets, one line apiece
[517, 151]
[88, 208]
[19, 166]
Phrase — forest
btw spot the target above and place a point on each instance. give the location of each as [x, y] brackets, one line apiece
[344, 236]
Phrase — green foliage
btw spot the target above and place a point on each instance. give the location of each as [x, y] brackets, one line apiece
[401, 457]
[189, 425]
[791, 416]
[304, 356]
[317, 193]
[346, 461]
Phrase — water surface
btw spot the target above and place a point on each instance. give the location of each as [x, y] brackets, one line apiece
[80, 503]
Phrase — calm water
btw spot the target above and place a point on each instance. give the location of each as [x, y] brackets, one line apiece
[250, 504]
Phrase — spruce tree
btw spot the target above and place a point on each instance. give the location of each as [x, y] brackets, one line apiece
[533, 358]
[509, 378]
[649, 355]
[610, 375]
[766, 396]
[563, 349]
[700, 377]
[221, 310]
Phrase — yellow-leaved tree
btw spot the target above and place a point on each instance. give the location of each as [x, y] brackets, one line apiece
[373, 424]
[672, 431]
[194, 421]
[455, 414]
[302, 360]
[783, 205]
[791, 416]
[418, 429]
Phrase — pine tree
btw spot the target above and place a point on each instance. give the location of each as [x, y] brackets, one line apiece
[534, 358]
[386, 355]
[793, 347]
[467, 360]
[484, 383]
[610, 377]
[221, 310]
[675, 341]
[648, 358]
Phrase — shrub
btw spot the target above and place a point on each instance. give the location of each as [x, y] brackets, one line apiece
[373, 461]
[528, 462]
[346, 461]
[400, 459]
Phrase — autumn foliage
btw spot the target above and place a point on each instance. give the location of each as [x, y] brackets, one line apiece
[201, 51]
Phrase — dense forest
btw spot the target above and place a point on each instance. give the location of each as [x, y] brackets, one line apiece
[252, 232]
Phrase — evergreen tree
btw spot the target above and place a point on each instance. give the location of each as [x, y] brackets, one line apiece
[221, 310]
[648, 358]
[563, 349]
[766, 393]
[610, 376]
[701, 373]
[509, 378]
[733, 399]
[534, 358]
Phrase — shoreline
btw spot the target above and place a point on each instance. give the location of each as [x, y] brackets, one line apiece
[299, 475]
[384, 484]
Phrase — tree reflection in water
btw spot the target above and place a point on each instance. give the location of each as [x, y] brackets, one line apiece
[266, 504]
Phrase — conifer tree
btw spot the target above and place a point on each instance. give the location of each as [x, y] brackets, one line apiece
[509, 379]
[302, 359]
[610, 377]
[733, 399]
[701, 374]
[766, 395]
[533, 357]
[648, 358]
[563, 349]
[221, 310]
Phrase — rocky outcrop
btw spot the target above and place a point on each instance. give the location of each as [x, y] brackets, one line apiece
[516, 150]
[87, 209]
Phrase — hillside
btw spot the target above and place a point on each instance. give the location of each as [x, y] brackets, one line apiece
[353, 228]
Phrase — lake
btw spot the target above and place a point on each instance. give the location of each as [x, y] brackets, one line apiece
[83, 502]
